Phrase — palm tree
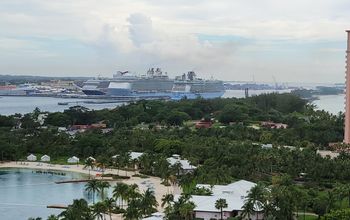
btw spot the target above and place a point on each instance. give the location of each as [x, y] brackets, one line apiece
[79, 210]
[99, 210]
[186, 210]
[220, 204]
[167, 199]
[103, 185]
[90, 164]
[92, 187]
[148, 203]
[119, 192]
[255, 200]
[109, 203]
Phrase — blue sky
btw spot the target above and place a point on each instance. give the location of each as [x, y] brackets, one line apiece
[294, 41]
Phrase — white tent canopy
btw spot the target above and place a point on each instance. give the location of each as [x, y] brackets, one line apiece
[31, 157]
[73, 159]
[91, 158]
[45, 158]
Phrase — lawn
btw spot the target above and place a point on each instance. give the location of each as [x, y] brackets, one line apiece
[307, 217]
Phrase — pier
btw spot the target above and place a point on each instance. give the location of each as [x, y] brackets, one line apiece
[57, 207]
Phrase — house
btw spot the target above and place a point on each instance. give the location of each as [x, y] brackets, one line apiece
[273, 125]
[204, 124]
[73, 159]
[45, 158]
[327, 153]
[235, 195]
[266, 146]
[31, 157]
[135, 155]
[186, 166]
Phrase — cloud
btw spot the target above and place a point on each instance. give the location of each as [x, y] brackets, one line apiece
[231, 40]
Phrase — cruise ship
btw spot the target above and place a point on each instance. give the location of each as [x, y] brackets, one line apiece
[154, 83]
[190, 87]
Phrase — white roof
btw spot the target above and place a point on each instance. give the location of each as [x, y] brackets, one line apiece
[155, 216]
[234, 193]
[91, 158]
[185, 164]
[135, 155]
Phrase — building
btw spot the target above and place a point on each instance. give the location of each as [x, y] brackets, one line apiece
[273, 125]
[347, 94]
[234, 194]
[73, 159]
[186, 166]
[45, 158]
[155, 216]
[204, 124]
[327, 153]
[31, 157]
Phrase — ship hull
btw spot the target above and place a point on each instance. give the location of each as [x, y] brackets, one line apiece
[188, 95]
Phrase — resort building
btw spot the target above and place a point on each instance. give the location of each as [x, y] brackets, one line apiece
[73, 159]
[327, 153]
[235, 195]
[31, 157]
[45, 158]
[186, 166]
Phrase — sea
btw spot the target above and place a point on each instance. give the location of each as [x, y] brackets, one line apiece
[24, 193]
[11, 105]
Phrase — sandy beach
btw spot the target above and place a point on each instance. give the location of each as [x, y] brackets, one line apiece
[143, 183]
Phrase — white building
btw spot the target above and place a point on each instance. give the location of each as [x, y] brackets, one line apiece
[45, 158]
[31, 157]
[155, 216]
[73, 159]
[185, 164]
[327, 153]
[234, 194]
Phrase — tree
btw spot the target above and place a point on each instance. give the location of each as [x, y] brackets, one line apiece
[79, 210]
[186, 210]
[99, 209]
[92, 186]
[255, 200]
[119, 192]
[167, 199]
[90, 164]
[338, 214]
[148, 203]
[52, 217]
[221, 204]
[102, 186]
[109, 204]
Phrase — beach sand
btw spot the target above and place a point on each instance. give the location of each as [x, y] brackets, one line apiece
[143, 183]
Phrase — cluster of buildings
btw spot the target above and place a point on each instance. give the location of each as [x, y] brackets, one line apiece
[235, 195]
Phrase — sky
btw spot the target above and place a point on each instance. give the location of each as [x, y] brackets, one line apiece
[261, 40]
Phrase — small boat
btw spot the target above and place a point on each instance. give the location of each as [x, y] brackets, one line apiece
[62, 103]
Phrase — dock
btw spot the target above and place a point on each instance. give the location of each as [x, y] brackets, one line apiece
[57, 207]
[84, 180]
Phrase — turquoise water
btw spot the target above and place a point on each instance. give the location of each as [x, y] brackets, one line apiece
[25, 193]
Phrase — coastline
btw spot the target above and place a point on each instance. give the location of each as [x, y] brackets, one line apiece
[143, 183]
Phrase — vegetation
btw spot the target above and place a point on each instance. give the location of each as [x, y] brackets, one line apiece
[229, 150]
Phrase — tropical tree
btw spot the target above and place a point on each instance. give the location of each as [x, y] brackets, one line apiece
[167, 199]
[92, 186]
[90, 164]
[120, 192]
[99, 209]
[186, 210]
[52, 217]
[103, 185]
[79, 210]
[109, 204]
[221, 204]
[255, 200]
[148, 203]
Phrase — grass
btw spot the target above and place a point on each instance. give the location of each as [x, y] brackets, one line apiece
[307, 217]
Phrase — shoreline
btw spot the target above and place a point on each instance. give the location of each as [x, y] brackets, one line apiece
[143, 183]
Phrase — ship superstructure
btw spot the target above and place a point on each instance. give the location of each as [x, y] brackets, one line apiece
[154, 83]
